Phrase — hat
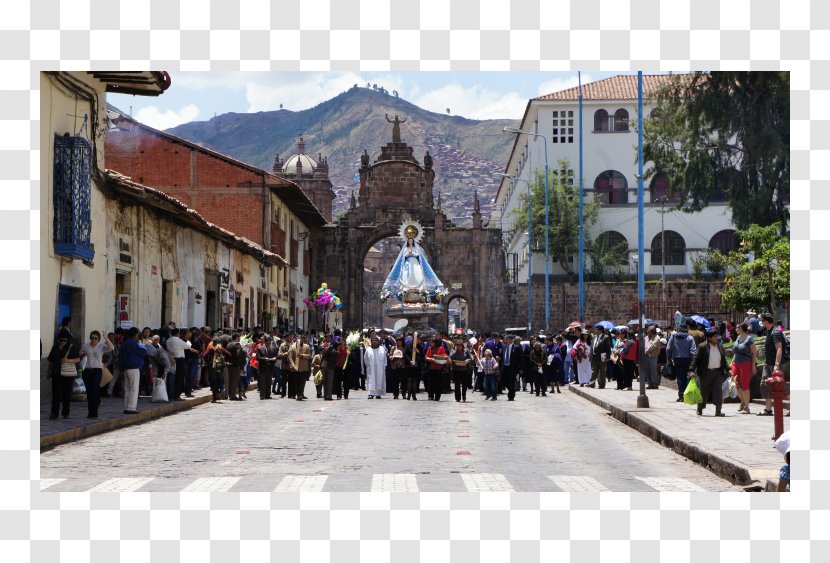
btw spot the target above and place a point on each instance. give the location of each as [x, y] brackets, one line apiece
[663, 341]
[712, 332]
[782, 444]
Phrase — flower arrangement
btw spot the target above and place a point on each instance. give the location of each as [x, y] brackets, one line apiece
[386, 293]
[324, 298]
[353, 340]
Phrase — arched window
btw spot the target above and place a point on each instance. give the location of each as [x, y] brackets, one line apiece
[724, 241]
[611, 187]
[661, 187]
[601, 120]
[615, 246]
[675, 249]
[621, 120]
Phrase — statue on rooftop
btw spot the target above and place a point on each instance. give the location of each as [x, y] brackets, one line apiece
[396, 128]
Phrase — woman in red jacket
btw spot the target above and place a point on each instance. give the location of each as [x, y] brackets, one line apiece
[630, 357]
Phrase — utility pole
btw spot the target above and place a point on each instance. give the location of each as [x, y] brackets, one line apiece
[663, 249]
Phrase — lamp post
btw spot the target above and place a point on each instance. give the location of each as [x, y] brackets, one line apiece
[529, 251]
[547, 222]
[642, 399]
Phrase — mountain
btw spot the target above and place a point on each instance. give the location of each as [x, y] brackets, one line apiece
[465, 152]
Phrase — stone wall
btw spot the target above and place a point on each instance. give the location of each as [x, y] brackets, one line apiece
[616, 302]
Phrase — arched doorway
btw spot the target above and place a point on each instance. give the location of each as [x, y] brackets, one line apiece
[457, 315]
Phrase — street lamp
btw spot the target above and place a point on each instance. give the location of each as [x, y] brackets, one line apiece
[547, 221]
[529, 250]
[642, 399]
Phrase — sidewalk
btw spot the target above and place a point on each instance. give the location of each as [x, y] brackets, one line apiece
[110, 416]
[737, 447]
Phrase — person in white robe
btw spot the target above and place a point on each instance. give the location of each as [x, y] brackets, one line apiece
[374, 358]
[583, 366]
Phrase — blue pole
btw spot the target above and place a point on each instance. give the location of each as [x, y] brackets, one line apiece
[581, 229]
[642, 399]
[547, 251]
[529, 264]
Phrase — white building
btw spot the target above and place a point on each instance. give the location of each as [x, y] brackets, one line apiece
[609, 167]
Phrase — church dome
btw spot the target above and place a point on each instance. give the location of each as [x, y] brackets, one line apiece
[290, 166]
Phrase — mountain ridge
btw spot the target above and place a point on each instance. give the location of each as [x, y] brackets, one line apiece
[466, 152]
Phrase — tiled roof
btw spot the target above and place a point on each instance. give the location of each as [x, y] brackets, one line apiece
[620, 87]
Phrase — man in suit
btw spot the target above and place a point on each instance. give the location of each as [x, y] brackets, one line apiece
[511, 361]
[286, 383]
[600, 352]
[710, 365]
[300, 359]
[267, 358]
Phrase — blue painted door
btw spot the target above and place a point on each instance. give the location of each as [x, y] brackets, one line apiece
[64, 305]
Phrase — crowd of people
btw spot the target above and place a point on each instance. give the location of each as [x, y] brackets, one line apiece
[381, 363]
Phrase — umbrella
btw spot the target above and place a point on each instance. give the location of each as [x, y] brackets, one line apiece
[637, 322]
[620, 327]
[607, 325]
[700, 320]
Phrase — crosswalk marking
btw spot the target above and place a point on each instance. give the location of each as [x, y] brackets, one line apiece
[577, 483]
[670, 484]
[46, 483]
[211, 485]
[301, 483]
[121, 485]
[394, 483]
[486, 482]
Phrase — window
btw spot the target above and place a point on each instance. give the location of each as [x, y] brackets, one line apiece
[724, 241]
[611, 187]
[72, 223]
[621, 120]
[616, 246]
[601, 120]
[675, 249]
[563, 126]
[660, 187]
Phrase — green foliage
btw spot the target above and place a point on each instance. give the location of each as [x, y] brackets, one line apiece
[725, 131]
[712, 260]
[563, 199]
[758, 275]
[605, 259]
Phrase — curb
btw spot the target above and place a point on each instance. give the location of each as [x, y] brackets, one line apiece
[726, 468]
[50, 441]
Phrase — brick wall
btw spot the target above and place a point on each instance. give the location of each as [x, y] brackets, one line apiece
[204, 182]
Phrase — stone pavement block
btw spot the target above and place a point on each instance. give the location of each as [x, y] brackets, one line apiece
[737, 447]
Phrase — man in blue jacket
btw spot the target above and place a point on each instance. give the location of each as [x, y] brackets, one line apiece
[680, 350]
[132, 359]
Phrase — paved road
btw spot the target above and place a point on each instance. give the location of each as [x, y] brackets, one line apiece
[562, 442]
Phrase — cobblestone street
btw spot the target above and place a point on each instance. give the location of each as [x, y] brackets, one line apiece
[559, 443]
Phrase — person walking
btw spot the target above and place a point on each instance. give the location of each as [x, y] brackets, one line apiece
[710, 365]
[630, 355]
[600, 351]
[94, 351]
[62, 371]
[397, 371]
[743, 364]
[436, 358]
[286, 384]
[176, 346]
[580, 354]
[218, 358]
[680, 350]
[374, 360]
[266, 358]
[775, 359]
[300, 358]
[235, 366]
[652, 350]
[461, 371]
[133, 353]
[329, 364]
[537, 366]
[511, 355]
[490, 367]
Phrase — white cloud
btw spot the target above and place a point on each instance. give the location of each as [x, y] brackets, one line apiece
[559, 84]
[152, 116]
[473, 102]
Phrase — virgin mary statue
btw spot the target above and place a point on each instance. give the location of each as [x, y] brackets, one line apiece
[411, 272]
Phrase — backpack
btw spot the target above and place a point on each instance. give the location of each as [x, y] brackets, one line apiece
[218, 362]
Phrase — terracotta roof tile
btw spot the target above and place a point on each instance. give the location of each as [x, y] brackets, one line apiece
[620, 87]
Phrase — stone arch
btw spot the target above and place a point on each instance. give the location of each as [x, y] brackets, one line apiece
[449, 299]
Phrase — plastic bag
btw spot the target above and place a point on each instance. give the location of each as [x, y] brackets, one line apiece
[78, 390]
[318, 377]
[159, 391]
[692, 394]
[729, 388]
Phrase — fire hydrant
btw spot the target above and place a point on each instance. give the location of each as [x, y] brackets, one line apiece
[778, 390]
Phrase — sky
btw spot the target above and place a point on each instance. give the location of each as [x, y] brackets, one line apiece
[198, 96]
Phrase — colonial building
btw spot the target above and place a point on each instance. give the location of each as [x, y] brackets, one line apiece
[270, 211]
[609, 137]
[75, 262]
[311, 175]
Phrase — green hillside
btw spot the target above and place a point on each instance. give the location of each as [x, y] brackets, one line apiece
[466, 152]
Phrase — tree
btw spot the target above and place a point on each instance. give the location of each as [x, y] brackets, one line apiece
[448, 111]
[758, 274]
[563, 199]
[726, 131]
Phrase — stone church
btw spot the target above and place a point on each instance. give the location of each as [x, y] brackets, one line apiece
[393, 188]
